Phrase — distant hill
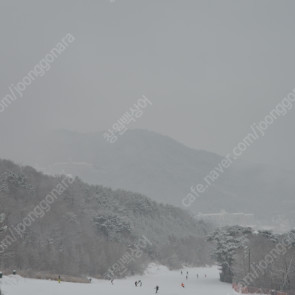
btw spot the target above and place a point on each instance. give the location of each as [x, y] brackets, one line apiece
[163, 169]
[62, 225]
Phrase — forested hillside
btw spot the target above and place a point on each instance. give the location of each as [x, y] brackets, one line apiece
[63, 225]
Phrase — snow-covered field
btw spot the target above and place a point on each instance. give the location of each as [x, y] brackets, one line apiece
[168, 281]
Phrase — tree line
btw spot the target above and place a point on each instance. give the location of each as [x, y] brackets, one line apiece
[253, 258]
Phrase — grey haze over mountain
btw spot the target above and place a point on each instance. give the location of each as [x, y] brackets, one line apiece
[163, 169]
[218, 75]
[211, 69]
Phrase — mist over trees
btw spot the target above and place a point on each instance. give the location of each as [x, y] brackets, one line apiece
[87, 228]
[164, 170]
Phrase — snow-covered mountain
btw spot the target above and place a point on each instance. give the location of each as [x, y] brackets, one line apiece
[60, 224]
[163, 169]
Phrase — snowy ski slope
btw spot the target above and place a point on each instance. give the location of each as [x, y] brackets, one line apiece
[168, 281]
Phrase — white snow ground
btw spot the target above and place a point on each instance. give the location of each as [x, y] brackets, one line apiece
[168, 281]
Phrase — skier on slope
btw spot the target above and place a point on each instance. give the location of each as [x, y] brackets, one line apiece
[157, 289]
[182, 285]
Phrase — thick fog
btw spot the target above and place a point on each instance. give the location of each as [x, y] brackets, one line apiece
[210, 68]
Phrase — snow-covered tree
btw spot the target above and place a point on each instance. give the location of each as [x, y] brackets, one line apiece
[227, 241]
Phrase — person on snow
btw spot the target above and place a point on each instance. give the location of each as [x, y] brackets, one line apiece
[135, 283]
[186, 277]
[59, 279]
[112, 281]
[140, 283]
[157, 289]
[181, 272]
[182, 285]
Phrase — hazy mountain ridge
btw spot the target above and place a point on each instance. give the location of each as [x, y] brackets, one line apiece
[164, 170]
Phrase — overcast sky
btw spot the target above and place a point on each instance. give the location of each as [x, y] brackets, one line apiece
[211, 69]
